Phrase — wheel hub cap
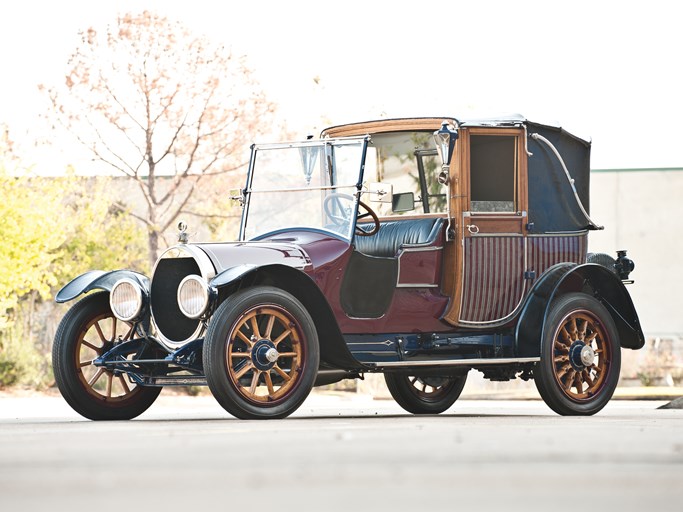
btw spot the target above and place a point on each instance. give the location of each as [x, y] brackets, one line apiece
[581, 355]
[264, 355]
[587, 355]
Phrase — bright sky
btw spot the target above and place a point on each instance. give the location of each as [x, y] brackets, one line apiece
[606, 70]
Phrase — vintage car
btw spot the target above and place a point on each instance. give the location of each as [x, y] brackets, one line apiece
[418, 248]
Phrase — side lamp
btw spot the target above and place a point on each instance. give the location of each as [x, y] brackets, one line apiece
[445, 139]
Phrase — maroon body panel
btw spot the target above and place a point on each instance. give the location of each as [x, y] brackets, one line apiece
[494, 283]
[413, 309]
[420, 268]
[545, 251]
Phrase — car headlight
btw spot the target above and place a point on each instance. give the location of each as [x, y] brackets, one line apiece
[193, 296]
[126, 300]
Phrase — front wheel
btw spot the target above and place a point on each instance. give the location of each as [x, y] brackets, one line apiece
[424, 394]
[261, 353]
[88, 330]
[580, 356]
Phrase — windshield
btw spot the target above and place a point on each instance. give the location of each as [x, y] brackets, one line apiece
[310, 184]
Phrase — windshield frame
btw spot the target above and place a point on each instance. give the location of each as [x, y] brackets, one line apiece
[249, 190]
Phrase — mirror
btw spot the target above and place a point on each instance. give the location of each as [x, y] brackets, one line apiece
[404, 202]
[381, 192]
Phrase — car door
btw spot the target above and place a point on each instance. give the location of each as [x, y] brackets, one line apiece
[493, 225]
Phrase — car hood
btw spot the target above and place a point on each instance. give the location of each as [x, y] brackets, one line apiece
[229, 255]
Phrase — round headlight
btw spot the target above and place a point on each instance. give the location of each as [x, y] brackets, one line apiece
[125, 300]
[193, 296]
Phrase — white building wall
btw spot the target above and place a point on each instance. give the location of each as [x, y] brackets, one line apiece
[642, 211]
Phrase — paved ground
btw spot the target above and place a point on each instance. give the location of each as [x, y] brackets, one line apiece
[341, 452]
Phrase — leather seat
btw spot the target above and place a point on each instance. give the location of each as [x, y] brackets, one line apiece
[393, 235]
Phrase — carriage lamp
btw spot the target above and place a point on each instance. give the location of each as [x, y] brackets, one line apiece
[194, 296]
[127, 300]
[624, 266]
[445, 139]
[309, 156]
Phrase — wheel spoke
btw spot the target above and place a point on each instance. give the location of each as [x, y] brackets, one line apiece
[582, 332]
[563, 370]
[124, 384]
[567, 337]
[103, 339]
[110, 380]
[282, 373]
[244, 338]
[597, 369]
[282, 337]
[591, 337]
[570, 380]
[254, 326]
[573, 329]
[96, 377]
[269, 327]
[288, 354]
[269, 383]
[562, 359]
[113, 327]
[98, 350]
[254, 382]
[587, 378]
[243, 371]
[240, 354]
[578, 383]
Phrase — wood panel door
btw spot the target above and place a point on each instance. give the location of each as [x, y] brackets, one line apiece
[493, 228]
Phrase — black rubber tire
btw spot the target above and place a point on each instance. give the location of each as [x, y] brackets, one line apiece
[602, 259]
[221, 337]
[446, 390]
[554, 365]
[69, 375]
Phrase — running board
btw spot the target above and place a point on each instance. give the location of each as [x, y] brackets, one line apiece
[457, 362]
[180, 380]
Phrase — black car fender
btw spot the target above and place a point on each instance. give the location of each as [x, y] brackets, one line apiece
[590, 278]
[333, 349]
[98, 280]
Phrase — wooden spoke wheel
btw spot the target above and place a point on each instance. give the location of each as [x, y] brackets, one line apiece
[261, 353]
[424, 394]
[580, 356]
[88, 331]
[265, 354]
[97, 338]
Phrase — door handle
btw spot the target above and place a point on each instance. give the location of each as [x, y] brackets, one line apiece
[473, 229]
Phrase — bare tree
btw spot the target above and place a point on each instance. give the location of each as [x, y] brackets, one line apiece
[162, 106]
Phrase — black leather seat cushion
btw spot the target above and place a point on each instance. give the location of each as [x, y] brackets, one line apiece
[393, 234]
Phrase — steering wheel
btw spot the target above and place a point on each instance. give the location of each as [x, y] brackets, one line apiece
[339, 215]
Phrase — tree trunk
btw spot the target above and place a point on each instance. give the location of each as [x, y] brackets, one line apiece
[153, 244]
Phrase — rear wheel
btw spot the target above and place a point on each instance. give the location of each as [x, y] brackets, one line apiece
[88, 330]
[261, 354]
[580, 356]
[424, 394]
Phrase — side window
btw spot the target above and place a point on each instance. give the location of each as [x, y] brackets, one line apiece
[493, 173]
[409, 162]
